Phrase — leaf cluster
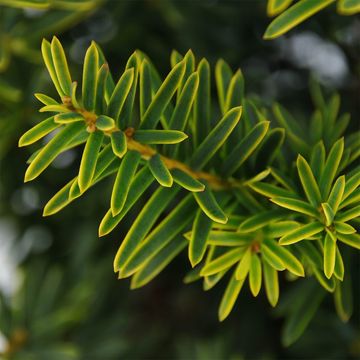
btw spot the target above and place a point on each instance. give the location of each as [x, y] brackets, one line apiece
[204, 173]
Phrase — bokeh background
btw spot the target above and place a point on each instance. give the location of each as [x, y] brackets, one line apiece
[59, 298]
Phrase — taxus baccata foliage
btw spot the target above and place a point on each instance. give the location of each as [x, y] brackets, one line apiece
[237, 186]
[290, 13]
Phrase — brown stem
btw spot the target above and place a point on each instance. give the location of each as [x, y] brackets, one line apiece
[215, 182]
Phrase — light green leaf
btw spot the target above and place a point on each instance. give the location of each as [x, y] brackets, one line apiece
[339, 268]
[162, 97]
[244, 265]
[52, 149]
[344, 228]
[187, 181]
[255, 274]
[61, 66]
[275, 7]
[68, 117]
[38, 132]
[62, 198]
[301, 233]
[73, 98]
[159, 136]
[348, 7]
[228, 238]
[198, 240]
[89, 159]
[90, 71]
[348, 214]
[293, 16]
[260, 220]
[175, 58]
[328, 213]
[272, 191]
[245, 148]
[54, 108]
[271, 254]
[290, 262]
[46, 53]
[46, 100]
[105, 123]
[160, 172]
[156, 264]
[308, 182]
[295, 205]
[271, 284]
[336, 194]
[280, 228]
[120, 93]
[223, 262]
[331, 167]
[216, 138]
[350, 239]
[123, 180]
[118, 143]
[143, 223]
[209, 206]
[140, 183]
[229, 298]
[351, 185]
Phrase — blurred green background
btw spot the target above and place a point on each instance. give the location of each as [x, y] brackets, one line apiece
[59, 297]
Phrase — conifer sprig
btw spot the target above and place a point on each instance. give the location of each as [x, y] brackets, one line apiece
[218, 180]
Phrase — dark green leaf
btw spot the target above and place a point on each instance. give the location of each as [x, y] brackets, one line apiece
[120, 94]
[245, 148]
[216, 138]
[156, 264]
[118, 143]
[162, 97]
[159, 136]
[123, 180]
[198, 241]
[202, 106]
[143, 223]
[187, 181]
[89, 159]
[140, 183]
[169, 229]
[160, 171]
[209, 206]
